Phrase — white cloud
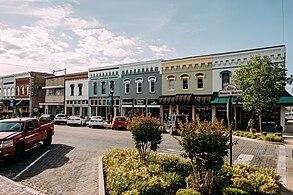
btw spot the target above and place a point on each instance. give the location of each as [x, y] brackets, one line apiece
[57, 38]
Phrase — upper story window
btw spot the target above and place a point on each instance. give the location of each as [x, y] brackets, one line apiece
[27, 90]
[22, 90]
[200, 80]
[171, 82]
[0, 91]
[72, 90]
[152, 81]
[184, 79]
[112, 84]
[126, 86]
[5, 92]
[225, 75]
[80, 89]
[138, 85]
[103, 87]
[95, 88]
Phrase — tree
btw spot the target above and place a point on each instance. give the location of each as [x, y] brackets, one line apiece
[262, 83]
[145, 135]
[206, 145]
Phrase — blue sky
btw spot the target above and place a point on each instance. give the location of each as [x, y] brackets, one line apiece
[42, 35]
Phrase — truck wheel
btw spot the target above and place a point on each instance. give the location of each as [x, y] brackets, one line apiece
[18, 153]
[48, 140]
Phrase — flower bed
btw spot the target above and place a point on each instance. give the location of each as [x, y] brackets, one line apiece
[125, 173]
[275, 137]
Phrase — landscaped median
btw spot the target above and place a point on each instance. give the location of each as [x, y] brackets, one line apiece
[202, 171]
[126, 174]
[273, 137]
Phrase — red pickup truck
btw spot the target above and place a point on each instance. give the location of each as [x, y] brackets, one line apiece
[19, 134]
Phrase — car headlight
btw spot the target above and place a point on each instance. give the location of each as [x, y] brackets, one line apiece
[6, 144]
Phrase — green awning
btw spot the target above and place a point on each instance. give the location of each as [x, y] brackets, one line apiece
[286, 99]
[222, 100]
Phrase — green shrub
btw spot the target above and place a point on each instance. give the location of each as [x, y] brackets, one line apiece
[256, 180]
[274, 138]
[233, 191]
[187, 192]
[205, 144]
[145, 135]
[160, 174]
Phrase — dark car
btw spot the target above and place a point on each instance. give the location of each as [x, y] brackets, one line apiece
[173, 124]
[46, 118]
[119, 122]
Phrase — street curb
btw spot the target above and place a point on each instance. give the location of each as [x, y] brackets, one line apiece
[23, 187]
[281, 167]
[101, 177]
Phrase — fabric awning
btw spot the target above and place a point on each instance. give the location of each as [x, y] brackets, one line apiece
[184, 98]
[202, 99]
[166, 100]
[286, 99]
[221, 100]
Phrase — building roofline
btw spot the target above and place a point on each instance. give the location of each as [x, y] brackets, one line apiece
[225, 53]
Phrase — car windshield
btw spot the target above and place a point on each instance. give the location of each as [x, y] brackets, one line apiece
[11, 126]
[120, 119]
[96, 117]
[60, 115]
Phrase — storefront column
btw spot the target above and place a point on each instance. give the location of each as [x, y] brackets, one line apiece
[282, 117]
[213, 112]
[193, 112]
[162, 113]
[96, 111]
[170, 110]
[177, 109]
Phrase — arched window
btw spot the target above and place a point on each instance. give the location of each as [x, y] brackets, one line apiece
[112, 85]
[95, 88]
[225, 75]
[171, 82]
[80, 89]
[27, 90]
[103, 87]
[152, 81]
[126, 86]
[72, 89]
[184, 78]
[138, 85]
[200, 80]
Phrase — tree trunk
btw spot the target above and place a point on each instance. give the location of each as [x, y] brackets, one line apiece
[259, 122]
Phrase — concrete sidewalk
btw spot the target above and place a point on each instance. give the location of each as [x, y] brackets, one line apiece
[10, 187]
[288, 135]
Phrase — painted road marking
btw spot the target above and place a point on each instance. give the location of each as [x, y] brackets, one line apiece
[244, 159]
[30, 165]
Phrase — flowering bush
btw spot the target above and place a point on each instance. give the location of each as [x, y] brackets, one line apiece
[145, 135]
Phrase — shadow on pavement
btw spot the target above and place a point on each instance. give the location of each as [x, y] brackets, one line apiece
[53, 159]
[287, 192]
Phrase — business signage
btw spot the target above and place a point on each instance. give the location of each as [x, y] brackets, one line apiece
[230, 90]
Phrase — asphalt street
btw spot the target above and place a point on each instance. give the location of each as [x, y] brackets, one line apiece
[70, 164]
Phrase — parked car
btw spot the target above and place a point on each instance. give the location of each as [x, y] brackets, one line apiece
[96, 121]
[46, 118]
[60, 119]
[288, 116]
[119, 122]
[76, 120]
[173, 123]
[19, 134]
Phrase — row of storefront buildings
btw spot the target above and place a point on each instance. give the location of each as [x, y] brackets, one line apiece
[161, 87]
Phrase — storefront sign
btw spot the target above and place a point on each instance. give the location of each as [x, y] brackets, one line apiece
[139, 102]
[230, 90]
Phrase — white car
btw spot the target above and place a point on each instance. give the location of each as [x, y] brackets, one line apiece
[76, 120]
[60, 118]
[96, 121]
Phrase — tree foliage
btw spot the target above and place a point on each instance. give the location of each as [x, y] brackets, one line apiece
[206, 145]
[145, 135]
[262, 83]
